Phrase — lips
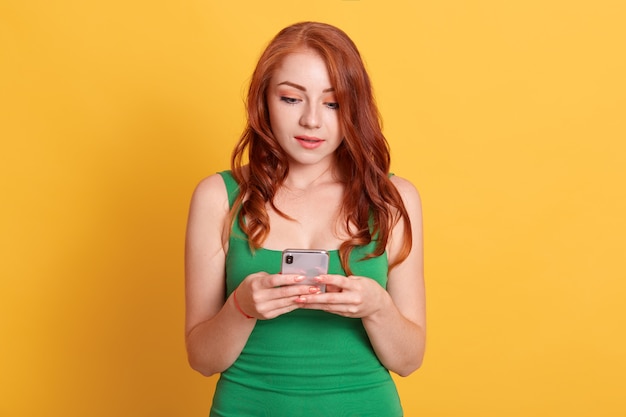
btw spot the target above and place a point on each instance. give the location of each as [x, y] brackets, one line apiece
[309, 142]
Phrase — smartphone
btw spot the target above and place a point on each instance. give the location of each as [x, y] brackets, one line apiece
[307, 262]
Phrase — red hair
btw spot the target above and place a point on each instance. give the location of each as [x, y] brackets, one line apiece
[372, 206]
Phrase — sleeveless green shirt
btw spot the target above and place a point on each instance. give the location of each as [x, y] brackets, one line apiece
[306, 362]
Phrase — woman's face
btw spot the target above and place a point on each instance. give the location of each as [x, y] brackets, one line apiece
[303, 109]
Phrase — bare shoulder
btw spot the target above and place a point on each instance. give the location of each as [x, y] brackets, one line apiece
[209, 208]
[211, 188]
[407, 191]
[210, 196]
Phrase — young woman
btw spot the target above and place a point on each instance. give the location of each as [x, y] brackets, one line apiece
[317, 177]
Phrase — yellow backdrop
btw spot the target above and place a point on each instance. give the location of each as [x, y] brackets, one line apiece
[509, 116]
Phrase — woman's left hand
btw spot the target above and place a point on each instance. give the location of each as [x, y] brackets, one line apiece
[351, 296]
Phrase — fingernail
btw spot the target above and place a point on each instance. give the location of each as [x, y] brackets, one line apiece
[299, 278]
[301, 299]
[314, 290]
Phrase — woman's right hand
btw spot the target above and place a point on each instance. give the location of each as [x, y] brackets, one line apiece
[266, 296]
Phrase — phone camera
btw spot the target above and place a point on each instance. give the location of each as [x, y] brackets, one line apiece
[289, 259]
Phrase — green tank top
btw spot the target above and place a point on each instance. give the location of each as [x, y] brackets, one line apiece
[307, 362]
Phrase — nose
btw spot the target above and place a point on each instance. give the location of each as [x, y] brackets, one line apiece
[310, 117]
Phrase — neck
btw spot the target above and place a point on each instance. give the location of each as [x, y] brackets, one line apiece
[303, 177]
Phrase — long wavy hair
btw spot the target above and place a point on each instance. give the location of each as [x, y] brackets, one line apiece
[371, 204]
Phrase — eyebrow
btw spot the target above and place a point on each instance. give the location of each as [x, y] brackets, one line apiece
[301, 88]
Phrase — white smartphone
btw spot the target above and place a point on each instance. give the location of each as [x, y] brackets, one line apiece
[307, 262]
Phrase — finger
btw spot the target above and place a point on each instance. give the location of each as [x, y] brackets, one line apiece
[346, 298]
[280, 311]
[333, 288]
[334, 283]
[291, 291]
[279, 280]
[339, 309]
[278, 308]
[282, 305]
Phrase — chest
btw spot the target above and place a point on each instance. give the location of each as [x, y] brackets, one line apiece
[314, 221]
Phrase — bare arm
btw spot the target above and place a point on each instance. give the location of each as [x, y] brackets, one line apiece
[398, 330]
[215, 331]
[395, 320]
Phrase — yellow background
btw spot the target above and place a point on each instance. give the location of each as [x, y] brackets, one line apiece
[509, 116]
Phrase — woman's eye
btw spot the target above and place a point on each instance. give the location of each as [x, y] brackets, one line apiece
[332, 106]
[289, 100]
